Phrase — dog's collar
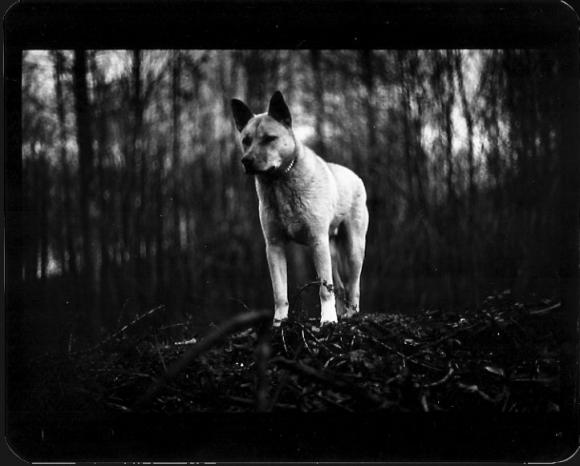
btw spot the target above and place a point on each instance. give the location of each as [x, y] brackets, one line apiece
[289, 167]
[296, 154]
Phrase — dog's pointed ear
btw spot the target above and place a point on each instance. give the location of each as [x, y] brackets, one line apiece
[279, 110]
[242, 114]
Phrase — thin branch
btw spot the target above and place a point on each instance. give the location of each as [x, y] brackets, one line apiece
[425, 347]
[545, 310]
[332, 402]
[161, 358]
[442, 380]
[285, 379]
[237, 323]
[297, 295]
[328, 379]
[120, 331]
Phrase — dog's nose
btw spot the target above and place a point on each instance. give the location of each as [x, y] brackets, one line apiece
[248, 163]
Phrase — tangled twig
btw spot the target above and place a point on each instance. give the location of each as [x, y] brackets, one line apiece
[240, 322]
[328, 379]
[122, 330]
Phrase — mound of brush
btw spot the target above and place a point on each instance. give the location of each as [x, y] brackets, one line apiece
[503, 357]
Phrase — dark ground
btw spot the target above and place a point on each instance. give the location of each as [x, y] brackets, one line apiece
[501, 358]
[436, 385]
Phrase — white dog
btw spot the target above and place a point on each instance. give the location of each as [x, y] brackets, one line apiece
[304, 199]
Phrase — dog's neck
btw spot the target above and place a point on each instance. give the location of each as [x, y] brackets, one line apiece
[291, 174]
[294, 155]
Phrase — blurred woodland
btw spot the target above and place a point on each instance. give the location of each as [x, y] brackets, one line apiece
[134, 194]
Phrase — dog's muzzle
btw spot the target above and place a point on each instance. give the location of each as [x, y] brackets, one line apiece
[251, 169]
[248, 165]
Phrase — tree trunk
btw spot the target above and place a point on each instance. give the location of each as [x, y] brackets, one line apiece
[60, 195]
[84, 141]
[159, 228]
[366, 59]
[176, 145]
[44, 204]
[137, 269]
[66, 178]
[177, 281]
[407, 143]
[105, 219]
[32, 209]
[467, 115]
[315, 62]
[448, 108]
[255, 67]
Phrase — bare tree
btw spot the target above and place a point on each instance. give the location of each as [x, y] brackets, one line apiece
[471, 197]
[86, 156]
[64, 163]
[368, 76]
[319, 111]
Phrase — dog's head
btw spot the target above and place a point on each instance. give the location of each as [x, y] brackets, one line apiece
[267, 139]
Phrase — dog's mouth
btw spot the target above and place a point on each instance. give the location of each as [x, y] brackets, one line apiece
[254, 171]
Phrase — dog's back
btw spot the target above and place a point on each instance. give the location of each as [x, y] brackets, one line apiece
[351, 202]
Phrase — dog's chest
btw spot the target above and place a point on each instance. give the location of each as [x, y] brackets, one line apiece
[287, 210]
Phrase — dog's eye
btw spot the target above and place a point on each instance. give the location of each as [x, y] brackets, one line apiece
[247, 141]
[269, 138]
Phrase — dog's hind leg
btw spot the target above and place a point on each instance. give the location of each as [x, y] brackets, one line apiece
[352, 259]
[337, 267]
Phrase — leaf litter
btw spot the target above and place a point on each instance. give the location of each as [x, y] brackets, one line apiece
[503, 357]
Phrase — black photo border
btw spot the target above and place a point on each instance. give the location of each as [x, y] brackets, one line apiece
[281, 24]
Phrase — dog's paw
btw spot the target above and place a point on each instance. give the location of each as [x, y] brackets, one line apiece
[328, 320]
[278, 322]
[350, 310]
[350, 313]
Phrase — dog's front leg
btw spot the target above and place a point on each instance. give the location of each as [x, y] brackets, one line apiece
[323, 265]
[278, 274]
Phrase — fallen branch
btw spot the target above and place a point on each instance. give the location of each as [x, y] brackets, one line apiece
[318, 341]
[442, 380]
[448, 336]
[332, 402]
[387, 332]
[328, 379]
[248, 402]
[284, 381]
[236, 324]
[161, 358]
[545, 310]
[475, 389]
[403, 356]
[424, 403]
[120, 331]
[380, 343]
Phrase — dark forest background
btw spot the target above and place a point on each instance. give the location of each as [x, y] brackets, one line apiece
[134, 194]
